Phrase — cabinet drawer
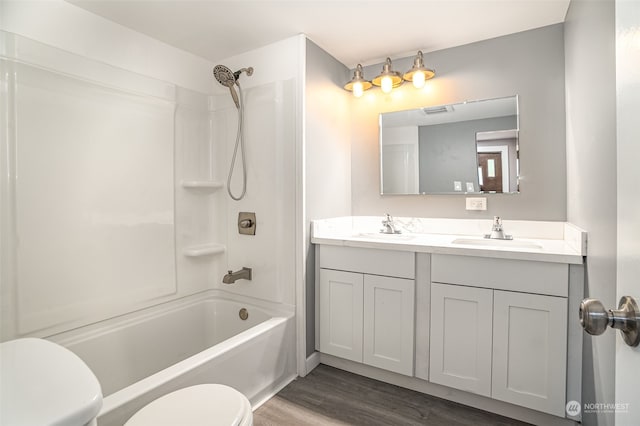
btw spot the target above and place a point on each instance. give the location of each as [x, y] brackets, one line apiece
[502, 274]
[389, 263]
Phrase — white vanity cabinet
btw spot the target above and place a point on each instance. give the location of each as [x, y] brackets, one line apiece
[366, 306]
[341, 313]
[461, 330]
[530, 350]
[499, 329]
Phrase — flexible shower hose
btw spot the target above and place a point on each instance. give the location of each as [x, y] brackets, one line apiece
[239, 142]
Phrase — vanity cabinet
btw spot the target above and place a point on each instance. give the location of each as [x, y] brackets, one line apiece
[388, 323]
[499, 329]
[530, 350]
[461, 330]
[341, 313]
[366, 306]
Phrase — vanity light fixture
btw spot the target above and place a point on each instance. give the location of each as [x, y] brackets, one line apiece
[358, 84]
[388, 79]
[419, 74]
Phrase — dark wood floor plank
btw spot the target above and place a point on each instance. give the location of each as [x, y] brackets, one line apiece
[329, 396]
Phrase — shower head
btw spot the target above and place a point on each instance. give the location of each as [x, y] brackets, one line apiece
[228, 78]
[224, 75]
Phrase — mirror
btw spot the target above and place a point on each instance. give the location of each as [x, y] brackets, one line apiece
[470, 147]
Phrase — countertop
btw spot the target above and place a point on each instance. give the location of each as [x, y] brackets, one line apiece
[558, 242]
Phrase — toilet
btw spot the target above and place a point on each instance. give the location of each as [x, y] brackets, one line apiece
[44, 383]
[200, 405]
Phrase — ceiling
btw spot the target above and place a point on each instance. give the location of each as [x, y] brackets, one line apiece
[353, 31]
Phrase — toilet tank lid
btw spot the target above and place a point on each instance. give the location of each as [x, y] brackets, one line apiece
[44, 383]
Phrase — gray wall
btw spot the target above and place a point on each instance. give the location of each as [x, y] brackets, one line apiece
[448, 152]
[591, 175]
[327, 156]
[529, 64]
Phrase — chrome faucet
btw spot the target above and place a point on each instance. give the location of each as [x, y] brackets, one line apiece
[388, 227]
[232, 277]
[497, 232]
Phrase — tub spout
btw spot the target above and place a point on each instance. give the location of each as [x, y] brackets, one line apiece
[232, 277]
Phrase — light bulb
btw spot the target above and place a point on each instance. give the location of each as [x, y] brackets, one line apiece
[418, 79]
[357, 89]
[386, 84]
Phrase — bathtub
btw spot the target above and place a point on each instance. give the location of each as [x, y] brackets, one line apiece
[199, 339]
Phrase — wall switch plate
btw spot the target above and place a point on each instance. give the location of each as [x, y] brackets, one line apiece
[457, 185]
[470, 187]
[476, 203]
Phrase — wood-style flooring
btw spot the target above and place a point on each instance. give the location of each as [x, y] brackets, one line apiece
[328, 396]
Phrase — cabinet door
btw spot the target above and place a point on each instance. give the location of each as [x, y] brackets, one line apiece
[530, 350]
[389, 323]
[341, 314]
[461, 328]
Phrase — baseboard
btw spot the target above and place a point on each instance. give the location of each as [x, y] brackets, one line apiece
[312, 362]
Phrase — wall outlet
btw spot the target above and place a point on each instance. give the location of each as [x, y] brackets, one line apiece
[476, 203]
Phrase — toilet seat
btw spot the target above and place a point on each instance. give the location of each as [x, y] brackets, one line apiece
[200, 405]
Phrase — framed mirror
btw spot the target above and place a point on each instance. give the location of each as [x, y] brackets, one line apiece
[469, 147]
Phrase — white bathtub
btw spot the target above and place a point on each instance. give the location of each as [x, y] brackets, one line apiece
[201, 339]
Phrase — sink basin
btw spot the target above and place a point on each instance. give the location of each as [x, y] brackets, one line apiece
[381, 236]
[486, 242]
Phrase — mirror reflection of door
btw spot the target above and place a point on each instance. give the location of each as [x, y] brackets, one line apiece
[490, 171]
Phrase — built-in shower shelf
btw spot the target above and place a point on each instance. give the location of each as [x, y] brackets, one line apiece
[209, 185]
[204, 250]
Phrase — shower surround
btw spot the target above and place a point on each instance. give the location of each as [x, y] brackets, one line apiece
[113, 175]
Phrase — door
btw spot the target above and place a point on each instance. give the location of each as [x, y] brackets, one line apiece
[389, 323]
[490, 165]
[461, 329]
[341, 314]
[530, 350]
[628, 256]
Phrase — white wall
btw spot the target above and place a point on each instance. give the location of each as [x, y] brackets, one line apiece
[591, 175]
[529, 64]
